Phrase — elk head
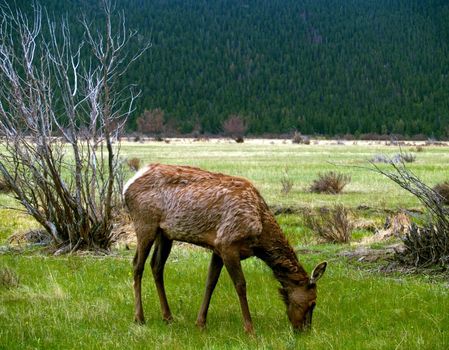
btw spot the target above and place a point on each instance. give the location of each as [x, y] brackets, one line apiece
[301, 300]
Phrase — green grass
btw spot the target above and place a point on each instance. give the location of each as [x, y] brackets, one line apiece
[264, 166]
[86, 302]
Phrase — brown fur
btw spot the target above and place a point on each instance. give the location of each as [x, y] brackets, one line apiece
[223, 213]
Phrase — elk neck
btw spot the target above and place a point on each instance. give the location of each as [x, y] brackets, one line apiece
[279, 255]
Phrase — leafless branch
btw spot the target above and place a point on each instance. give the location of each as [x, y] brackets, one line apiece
[61, 115]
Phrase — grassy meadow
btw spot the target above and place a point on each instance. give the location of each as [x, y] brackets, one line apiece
[86, 301]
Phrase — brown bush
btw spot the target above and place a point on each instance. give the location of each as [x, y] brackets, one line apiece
[443, 191]
[8, 278]
[286, 182]
[235, 126]
[300, 139]
[151, 122]
[330, 182]
[134, 163]
[426, 244]
[4, 186]
[408, 157]
[331, 225]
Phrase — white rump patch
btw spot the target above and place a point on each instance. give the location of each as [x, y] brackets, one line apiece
[134, 178]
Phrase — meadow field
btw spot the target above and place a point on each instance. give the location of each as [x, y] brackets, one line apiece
[85, 301]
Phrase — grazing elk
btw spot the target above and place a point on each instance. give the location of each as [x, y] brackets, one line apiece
[225, 214]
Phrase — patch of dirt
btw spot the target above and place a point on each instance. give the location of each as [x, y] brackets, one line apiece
[365, 224]
[396, 226]
[123, 232]
[38, 237]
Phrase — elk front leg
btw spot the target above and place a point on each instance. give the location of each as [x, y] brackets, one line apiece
[216, 264]
[234, 267]
[158, 260]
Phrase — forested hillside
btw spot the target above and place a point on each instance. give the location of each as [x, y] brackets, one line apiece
[318, 66]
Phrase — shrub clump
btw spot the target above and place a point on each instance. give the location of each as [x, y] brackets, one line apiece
[134, 163]
[427, 244]
[407, 157]
[300, 139]
[442, 190]
[330, 182]
[235, 127]
[286, 182]
[396, 159]
[331, 225]
[4, 186]
[8, 278]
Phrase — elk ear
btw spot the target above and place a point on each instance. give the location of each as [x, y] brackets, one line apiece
[317, 272]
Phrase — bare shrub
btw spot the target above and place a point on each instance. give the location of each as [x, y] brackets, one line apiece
[137, 138]
[37, 237]
[286, 182]
[442, 190]
[133, 163]
[235, 126]
[298, 138]
[151, 122]
[408, 157]
[8, 278]
[331, 225]
[380, 158]
[397, 158]
[330, 182]
[427, 244]
[61, 115]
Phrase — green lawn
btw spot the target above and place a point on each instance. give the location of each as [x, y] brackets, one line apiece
[86, 302]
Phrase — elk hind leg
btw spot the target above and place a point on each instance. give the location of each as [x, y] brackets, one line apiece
[144, 242]
[158, 260]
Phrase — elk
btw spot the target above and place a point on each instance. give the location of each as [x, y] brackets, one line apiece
[225, 214]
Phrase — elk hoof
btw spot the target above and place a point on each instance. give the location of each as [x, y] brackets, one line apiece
[139, 320]
[168, 319]
[201, 324]
[249, 329]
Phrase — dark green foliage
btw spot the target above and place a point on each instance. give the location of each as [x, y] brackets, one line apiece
[325, 66]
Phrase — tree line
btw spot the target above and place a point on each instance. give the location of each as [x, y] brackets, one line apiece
[318, 66]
